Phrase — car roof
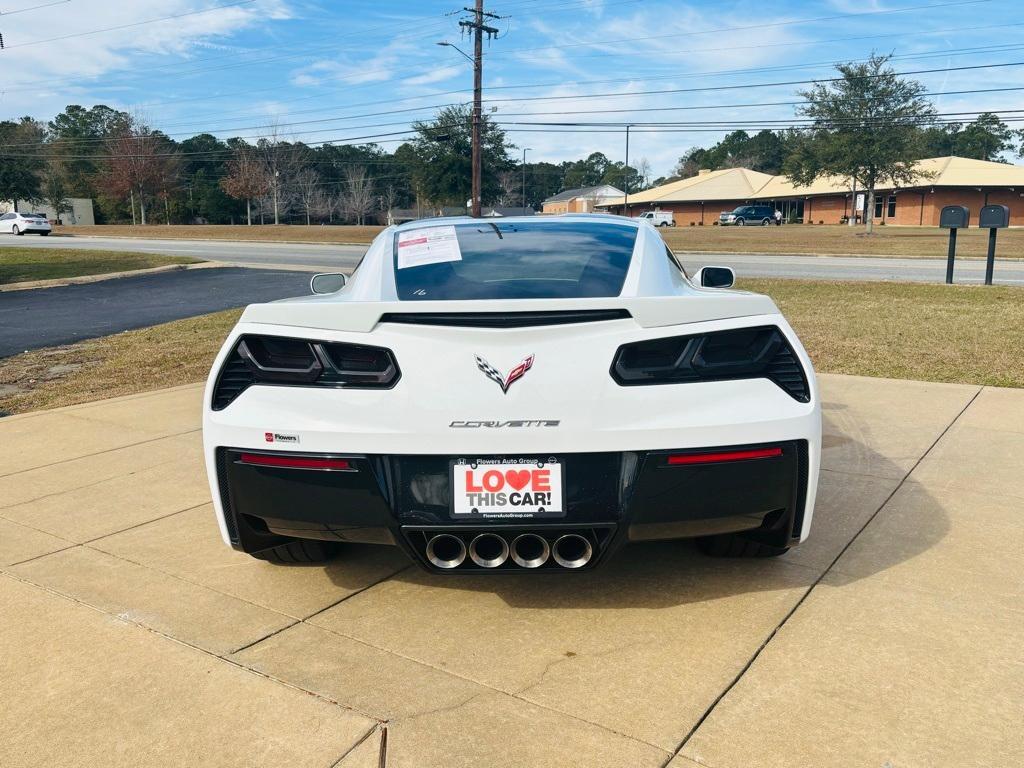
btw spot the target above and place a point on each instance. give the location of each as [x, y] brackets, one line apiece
[581, 218]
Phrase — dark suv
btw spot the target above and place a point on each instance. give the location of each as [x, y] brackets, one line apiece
[748, 214]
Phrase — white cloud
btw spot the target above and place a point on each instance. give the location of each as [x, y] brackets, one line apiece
[47, 75]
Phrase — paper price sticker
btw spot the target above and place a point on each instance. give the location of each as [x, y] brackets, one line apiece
[430, 245]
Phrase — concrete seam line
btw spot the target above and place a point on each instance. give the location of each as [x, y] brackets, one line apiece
[376, 727]
[139, 525]
[816, 582]
[38, 557]
[187, 644]
[99, 453]
[488, 686]
[357, 592]
[187, 580]
[259, 640]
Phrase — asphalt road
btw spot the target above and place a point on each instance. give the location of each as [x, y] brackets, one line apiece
[46, 317]
[750, 265]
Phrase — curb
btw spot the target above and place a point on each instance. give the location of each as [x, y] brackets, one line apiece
[210, 240]
[28, 285]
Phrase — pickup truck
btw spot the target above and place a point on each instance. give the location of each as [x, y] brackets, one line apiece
[659, 218]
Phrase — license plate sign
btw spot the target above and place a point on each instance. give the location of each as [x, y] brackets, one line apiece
[507, 489]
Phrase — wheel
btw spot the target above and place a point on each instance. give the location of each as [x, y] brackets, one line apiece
[732, 545]
[16, 231]
[766, 222]
[740, 223]
[299, 551]
[663, 224]
[44, 234]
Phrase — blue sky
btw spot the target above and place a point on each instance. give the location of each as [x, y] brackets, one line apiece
[327, 70]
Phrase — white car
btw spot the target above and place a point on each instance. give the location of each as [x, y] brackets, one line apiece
[22, 223]
[519, 394]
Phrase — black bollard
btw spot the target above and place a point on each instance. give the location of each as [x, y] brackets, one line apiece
[990, 262]
[951, 256]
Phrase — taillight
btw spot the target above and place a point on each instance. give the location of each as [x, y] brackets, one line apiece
[299, 362]
[743, 353]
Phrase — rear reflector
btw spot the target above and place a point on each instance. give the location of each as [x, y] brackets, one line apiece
[714, 458]
[295, 462]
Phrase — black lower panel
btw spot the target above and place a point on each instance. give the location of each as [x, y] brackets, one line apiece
[629, 496]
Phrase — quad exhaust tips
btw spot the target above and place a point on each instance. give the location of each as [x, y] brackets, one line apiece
[572, 551]
[488, 550]
[530, 550]
[466, 549]
[446, 551]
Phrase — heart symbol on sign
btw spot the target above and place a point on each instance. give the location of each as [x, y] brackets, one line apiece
[518, 480]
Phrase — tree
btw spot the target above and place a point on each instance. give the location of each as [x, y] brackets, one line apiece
[643, 168]
[21, 160]
[246, 177]
[589, 172]
[307, 186]
[281, 162]
[357, 194]
[388, 201]
[140, 163]
[85, 133]
[865, 126]
[443, 164]
[510, 183]
[985, 138]
[54, 179]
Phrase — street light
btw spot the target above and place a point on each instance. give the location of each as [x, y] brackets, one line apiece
[446, 44]
[525, 150]
[477, 162]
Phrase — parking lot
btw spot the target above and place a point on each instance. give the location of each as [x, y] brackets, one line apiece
[132, 636]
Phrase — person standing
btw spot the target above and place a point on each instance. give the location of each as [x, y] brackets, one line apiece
[778, 218]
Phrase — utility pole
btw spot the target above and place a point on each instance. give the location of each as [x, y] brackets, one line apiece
[525, 150]
[478, 29]
[625, 177]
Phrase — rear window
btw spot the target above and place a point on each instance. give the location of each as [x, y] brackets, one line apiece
[526, 260]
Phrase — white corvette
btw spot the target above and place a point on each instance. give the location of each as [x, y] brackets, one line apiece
[517, 394]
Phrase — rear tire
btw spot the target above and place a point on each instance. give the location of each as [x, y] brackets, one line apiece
[16, 231]
[44, 234]
[766, 222]
[299, 551]
[732, 545]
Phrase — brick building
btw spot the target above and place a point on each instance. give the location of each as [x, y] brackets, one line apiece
[583, 200]
[945, 181]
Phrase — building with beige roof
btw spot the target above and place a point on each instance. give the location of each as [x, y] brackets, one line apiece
[698, 200]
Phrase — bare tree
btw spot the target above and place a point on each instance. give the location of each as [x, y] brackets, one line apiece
[357, 193]
[643, 169]
[246, 178]
[141, 163]
[307, 187]
[388, 199]
[510, 186]
[281, 162]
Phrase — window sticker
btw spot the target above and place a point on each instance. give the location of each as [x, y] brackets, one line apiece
[430, 245]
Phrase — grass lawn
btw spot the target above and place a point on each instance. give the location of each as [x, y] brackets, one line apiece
[21, 264]
[970, 334]
[792, 238]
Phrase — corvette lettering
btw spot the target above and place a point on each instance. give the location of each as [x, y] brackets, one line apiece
[513, 424]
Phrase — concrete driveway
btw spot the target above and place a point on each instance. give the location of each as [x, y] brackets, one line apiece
[131, 636]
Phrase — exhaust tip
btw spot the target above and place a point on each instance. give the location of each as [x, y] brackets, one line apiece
[446, 551]
[572, 551]
[530, 550]
[488, 550]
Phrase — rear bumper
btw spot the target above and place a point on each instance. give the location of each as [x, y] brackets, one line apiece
[612, 498]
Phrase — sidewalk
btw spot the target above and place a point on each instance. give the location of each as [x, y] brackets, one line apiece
[132, 636]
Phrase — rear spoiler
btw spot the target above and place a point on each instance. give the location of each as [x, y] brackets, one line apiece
[646, 311]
